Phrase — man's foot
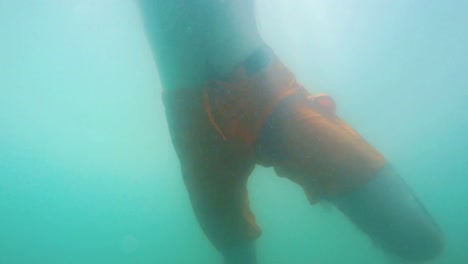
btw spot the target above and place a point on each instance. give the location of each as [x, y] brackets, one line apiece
[241, 254]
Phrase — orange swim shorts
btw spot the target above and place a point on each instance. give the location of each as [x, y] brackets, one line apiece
[260, 115]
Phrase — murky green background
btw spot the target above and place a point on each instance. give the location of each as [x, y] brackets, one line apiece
[88, 173]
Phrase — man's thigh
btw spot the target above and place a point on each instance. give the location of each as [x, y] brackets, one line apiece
[215, 171]
[318, 150]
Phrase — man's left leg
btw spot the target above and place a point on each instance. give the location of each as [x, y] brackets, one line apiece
[310, 145]
[386, 209]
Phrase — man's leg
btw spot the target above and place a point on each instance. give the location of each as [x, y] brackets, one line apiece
[314, 148]
[243, 253]
[387, 210]
[215, 173]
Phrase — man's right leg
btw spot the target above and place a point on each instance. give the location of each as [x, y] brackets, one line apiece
[243, 253]
[215, 173]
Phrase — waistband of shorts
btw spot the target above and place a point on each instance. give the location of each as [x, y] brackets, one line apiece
[260, 59]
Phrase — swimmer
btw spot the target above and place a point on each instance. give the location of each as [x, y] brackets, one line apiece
[232, 104]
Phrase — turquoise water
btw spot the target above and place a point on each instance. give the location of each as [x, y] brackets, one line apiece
[88, 173]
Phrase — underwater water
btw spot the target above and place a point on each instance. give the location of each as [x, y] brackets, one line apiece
[88, 173]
